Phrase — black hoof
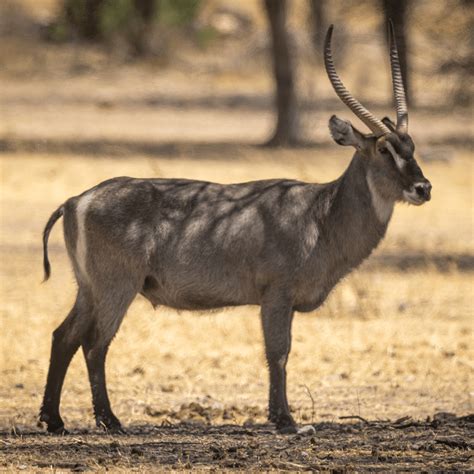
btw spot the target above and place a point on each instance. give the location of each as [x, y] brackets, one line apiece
[110, 425]
[58, 430]
[118, 430]
[54, 425]
[284, 424]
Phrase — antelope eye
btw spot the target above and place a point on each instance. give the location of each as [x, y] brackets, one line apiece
[383, 150]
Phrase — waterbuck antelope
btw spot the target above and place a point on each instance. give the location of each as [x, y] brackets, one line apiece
[280, 244]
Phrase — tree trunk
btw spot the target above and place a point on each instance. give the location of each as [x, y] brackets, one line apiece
[146, 11]
[84, 17]
[287, 124]
[397, 10]
[318, 26]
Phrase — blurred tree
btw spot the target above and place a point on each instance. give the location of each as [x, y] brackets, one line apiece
[133, 20]
[454, 32]
[318, 25]
[286, 130]
[397, 11]
[141, 25]
[84, 17]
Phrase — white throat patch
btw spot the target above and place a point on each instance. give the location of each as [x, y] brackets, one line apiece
[383, 208]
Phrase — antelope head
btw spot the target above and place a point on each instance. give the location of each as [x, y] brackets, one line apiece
[388, 150]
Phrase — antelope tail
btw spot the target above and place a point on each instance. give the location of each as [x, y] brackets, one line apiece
[49, 225]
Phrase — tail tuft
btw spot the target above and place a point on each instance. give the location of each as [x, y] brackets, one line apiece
[49, 225]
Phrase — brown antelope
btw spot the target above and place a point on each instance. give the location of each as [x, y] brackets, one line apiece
[280, 244]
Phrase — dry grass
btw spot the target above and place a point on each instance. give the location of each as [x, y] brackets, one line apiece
[385, 345]
[397, 342]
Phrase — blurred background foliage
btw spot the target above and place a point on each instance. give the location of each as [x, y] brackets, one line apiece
[280, 38]
[132, 20]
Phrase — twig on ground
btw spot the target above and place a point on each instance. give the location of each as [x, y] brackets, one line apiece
[406, 425]
[355, 417]
[312, 402]
[292, 465]
[453, 442]
[358, 401]
[405, 422]
[401, 420]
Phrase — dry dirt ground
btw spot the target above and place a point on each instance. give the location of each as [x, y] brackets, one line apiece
[383, 371]
[394, 340]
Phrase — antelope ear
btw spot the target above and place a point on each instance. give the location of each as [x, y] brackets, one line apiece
[389, 123]
[343, 133]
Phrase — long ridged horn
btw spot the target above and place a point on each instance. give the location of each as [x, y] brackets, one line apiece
[368, 118]
[397, 81]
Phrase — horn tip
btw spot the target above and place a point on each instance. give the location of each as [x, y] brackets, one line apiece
[391, 28]
[329, 36]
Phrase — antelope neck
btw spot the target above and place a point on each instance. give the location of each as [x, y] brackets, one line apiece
[383, 207]
[359, 200]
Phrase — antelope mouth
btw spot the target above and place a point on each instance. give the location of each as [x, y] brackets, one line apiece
[412, 197]
[419, 193]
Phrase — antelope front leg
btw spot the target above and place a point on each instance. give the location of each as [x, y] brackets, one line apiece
[276, 322]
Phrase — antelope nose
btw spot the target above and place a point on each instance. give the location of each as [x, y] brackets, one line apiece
[424, 190]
